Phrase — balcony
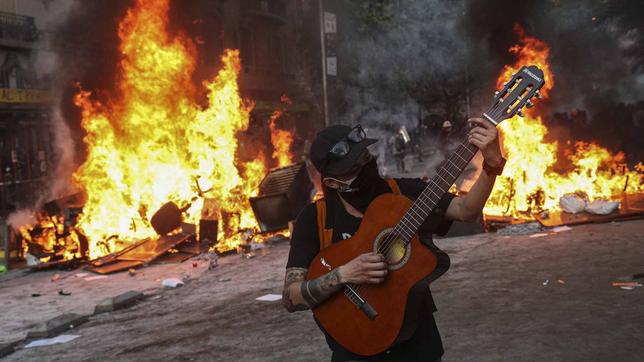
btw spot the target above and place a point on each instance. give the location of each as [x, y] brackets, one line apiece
[18, 30]
[274, 10]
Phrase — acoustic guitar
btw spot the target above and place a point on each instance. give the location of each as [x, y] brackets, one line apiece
[369, 319]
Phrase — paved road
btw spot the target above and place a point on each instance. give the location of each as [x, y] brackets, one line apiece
[492, 306]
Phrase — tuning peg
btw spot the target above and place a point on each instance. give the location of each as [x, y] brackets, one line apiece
[529, 104]
[496, 94]
[538, 94]
[513, 74]
[520, 113]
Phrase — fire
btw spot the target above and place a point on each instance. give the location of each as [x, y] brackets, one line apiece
[529, 184]
[281, 139]
[153, 142]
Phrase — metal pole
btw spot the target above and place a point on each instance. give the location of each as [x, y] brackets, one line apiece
[323, 49]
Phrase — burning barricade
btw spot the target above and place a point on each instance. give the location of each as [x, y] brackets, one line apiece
[165, 171]
[531, 187]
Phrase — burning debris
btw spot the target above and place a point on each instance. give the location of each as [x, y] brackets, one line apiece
[529, 184]
[161, 154]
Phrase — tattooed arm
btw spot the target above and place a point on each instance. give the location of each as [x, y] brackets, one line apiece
[299, 294]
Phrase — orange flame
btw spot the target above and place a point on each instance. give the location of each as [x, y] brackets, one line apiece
[529, 183]
[280, 138]
[154, 143]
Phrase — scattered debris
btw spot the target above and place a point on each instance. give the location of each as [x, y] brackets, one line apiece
[631, 207]
[518, 229]
[62, 292]
[81, 275]
[95, 277]
[573, 203]
[269, 298]
[195, 264]
[63, 338]
[55, 277]
[225, 279]
[560, 229]
[131, 272]
[545, 282]
[538, 235]
[602, 207]
[560, 281]
[627, 284]
[172, 283]
[34, 295]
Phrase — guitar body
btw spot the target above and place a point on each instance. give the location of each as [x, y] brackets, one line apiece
[413, 266]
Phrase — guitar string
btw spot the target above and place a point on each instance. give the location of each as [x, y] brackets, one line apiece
[463, 147]
[386, 245]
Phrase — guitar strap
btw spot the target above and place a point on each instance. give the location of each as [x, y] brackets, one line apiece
[326, 235]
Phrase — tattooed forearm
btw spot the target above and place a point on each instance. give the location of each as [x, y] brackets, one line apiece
[318, 290]
[299, 294]
[293, 277]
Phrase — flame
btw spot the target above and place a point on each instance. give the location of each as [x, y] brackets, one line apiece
[153, 142]
[529, 183]
[281, 139]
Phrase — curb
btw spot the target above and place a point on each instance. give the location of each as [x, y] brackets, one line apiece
[57, 325]
[121, 301]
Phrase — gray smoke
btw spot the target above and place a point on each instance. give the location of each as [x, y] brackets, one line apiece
[588, 48]
[398, 61]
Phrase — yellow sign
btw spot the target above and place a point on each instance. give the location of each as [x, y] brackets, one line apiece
[13, 95]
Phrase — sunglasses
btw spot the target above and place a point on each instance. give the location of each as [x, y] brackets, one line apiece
[342, 148]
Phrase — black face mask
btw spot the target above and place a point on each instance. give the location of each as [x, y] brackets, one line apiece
[366, 187]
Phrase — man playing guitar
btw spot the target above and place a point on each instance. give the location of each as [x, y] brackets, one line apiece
[351, 181]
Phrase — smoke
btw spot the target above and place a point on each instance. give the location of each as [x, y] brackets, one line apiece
[588, 54]
[393, 56]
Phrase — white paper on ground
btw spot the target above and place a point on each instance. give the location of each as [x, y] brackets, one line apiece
[559, 229]
[538, 235]
[269, 298]
[81, 275]
[89, 279]
[172, 282]
[63, 338]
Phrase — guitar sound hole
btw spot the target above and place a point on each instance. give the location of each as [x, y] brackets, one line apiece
[392, 247]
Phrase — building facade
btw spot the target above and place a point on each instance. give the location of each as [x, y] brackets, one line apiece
[26, 139]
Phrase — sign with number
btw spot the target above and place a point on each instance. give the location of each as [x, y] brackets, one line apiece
[329, 23]
[332, 66]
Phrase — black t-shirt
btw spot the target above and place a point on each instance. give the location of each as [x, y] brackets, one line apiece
[425, 344]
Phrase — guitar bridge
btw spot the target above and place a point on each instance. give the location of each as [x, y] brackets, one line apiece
[360, 302]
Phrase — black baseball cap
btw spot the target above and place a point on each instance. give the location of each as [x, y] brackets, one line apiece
[330, 165]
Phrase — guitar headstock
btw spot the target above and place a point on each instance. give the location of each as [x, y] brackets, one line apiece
[516, 93]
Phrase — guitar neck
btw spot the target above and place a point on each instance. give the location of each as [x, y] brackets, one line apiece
[436, 189]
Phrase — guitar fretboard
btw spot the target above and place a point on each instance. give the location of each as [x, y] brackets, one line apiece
[435, 190]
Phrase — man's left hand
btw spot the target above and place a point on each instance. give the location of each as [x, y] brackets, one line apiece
[486, 137]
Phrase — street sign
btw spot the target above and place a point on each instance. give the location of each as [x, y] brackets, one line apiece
[329, 23]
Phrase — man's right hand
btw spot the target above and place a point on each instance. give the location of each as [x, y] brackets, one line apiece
[368, 268]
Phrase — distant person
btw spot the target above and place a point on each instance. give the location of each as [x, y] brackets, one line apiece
[443, 138]
[399, 151]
